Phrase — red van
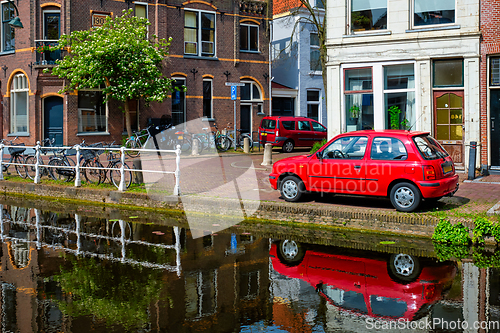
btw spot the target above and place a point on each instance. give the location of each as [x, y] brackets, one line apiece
[290, 132]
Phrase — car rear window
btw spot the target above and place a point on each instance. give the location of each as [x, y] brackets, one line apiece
[268, 124]
[429, 148]
[288, 125]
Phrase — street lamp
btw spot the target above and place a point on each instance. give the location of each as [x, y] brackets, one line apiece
[16, 21]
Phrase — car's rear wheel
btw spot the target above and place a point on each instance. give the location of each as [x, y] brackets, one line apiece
[288, 146]
[405, 197]
[292, 188]
[404, 267]
[290, 252]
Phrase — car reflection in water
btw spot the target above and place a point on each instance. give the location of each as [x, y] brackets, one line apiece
[385, 286]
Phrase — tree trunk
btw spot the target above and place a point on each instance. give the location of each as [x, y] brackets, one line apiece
[128, 125]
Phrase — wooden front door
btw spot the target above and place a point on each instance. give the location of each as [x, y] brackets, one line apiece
[449, 123]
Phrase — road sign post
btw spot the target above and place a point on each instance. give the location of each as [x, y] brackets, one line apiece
[234, 97]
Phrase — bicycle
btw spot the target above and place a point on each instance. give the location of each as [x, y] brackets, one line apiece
[31, 162]
[115, 162]
[227, 141]
[91, 163]
[137, 141]
[16, 157]
[64, 166]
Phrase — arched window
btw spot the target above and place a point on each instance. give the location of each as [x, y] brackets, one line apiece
[250, 92]
[19, 105]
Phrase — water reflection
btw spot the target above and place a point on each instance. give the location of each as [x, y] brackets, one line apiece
[73, 273]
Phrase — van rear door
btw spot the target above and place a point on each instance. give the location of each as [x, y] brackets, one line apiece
[268, 128]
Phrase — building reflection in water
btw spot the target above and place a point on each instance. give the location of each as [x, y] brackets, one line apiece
[73, 273]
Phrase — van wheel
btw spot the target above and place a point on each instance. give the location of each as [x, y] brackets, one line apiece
[288, 146]
[292, 188]
[405, 197]
[403, 267]
[290, 252]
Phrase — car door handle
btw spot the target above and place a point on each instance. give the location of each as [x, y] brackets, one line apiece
[357, 167]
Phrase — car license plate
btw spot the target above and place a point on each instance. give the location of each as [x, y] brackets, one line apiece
[447, 168]
[180, 137]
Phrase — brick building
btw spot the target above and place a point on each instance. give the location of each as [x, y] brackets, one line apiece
[213, 43]
[490, 84]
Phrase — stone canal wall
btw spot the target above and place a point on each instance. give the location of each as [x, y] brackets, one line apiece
[318, 215]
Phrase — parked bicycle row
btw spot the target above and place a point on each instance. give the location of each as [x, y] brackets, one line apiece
[168, 137]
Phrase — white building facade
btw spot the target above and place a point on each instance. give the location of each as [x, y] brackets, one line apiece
[408, 64]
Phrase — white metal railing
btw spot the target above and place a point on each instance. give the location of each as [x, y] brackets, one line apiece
[122, 240]
[78, 168]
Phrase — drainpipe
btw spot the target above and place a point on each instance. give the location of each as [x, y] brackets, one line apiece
[270, 65]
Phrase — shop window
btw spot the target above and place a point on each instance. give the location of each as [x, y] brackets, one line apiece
[207, 98]
[8, 33]
[399, 94]
[433, 12]
[249, 38]
[368, 15]
[358, 99]
[448, 73]
[314, 59]
[199, 26]
[19, 105]
[313, 106]
[92, 112]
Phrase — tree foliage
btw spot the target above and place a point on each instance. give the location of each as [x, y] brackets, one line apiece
[119, 56]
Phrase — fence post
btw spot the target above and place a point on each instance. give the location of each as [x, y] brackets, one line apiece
[122, 187]
[1, 161]
[37, 162]
[177, 189]
[78, 180]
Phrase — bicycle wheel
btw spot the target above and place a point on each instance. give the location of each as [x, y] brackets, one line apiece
[131, 144]
[30, 167]
[223, 143]
[115, 175]
[185, 144]
[61, 170]
[93, 175]
[21, 169]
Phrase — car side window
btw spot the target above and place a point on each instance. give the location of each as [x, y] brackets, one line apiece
[388, 149]
[349, 147]
[288, 125]
[304, 125]
[318, 127]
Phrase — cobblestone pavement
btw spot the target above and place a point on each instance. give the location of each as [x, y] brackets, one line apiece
[473, 197]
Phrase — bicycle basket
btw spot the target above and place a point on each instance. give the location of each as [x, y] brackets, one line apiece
[16, 151]
[89, 154]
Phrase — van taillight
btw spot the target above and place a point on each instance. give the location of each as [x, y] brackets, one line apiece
[429, 172]
[277, 133]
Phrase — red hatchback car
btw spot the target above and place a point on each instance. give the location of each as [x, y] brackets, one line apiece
[403, 165]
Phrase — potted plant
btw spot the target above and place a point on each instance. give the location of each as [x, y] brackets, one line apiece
[394, 112]
[354, 111]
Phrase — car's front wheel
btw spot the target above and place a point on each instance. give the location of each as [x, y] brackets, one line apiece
[290, 252]
[405, 197]
[404, 267]
[292, 188]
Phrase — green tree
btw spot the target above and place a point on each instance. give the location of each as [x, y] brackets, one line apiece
[119, 56]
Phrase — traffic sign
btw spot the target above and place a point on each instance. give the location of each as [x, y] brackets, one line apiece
[234, 94]
[235, 84]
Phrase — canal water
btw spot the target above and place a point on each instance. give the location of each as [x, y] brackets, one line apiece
[81, 271]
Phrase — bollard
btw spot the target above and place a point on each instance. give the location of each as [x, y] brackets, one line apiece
[268, 154]
[472, 161]
[1, 161]
[78, 180]
[195, 149]
[246, 145]
[37, 162]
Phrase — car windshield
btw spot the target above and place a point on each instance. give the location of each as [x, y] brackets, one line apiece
[268, 124]
[429, 148]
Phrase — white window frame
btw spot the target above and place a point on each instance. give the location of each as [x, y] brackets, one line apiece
[318, 103]
[2, 3]
[258, 40]
[145, 4]
[349, 21]
[378, 89]
[313, 48]
[211, 97]
[16, 88]
[80, 131]
[199, 46]
[429, 26]
[251, 92]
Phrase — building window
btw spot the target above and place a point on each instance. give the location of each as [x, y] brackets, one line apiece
[141, 10]
[19, 104]
[359, 99]
[250, 92]
[178, 102]
[283, 106]
[495, 72]
[249, 38]
[92, 112]
[431, 12]
[207, 98]
[320, 4]
[399, 91]
[201, 293]
[368, 15]
[314, 61]
[193, 20]
[448, 73]
[8, 34]
[313, 104]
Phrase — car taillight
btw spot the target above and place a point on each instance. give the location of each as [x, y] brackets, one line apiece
[429, 172]
[429, 291]
[277, 133]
